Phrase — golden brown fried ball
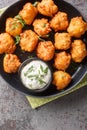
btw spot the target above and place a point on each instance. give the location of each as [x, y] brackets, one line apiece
[28, 41]
[62, 41]
[13, 27]
[6, 43]
[59, 21]
[11, 63]
[28, 13]
[77, 27]
[47, 8]
[61, 79]
[41, 27]
[78, 50]
[62, 60]
[45, 50]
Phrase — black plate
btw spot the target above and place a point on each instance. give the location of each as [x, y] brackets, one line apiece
[76, 70]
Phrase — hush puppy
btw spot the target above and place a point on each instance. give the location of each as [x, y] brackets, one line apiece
[62, 41]
[47, 8]
[59, 21]
[13, 27]
[45, 50]
[61, 79]
[11, 63]
[41, 27]
[62, 60]
[6, 43]
[77, 27]
[28, 40]
[78, 50]
[28, 13]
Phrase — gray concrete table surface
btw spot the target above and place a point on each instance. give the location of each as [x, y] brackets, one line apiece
[67, 113]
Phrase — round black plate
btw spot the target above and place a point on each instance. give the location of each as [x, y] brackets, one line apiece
[76, 70]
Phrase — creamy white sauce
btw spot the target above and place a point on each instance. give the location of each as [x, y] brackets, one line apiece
[35, 75]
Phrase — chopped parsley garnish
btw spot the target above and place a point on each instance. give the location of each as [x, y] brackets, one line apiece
[44, 70]
[44, 25]
[17, 39]
[41, 67]
[20, 20]
[29, 70]
[41, 81]
[39, 37]
[14, 25]
[30, 56]
[35, 3]
[45, 36]
[31, 76]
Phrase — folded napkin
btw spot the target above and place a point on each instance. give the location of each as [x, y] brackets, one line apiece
[37, 102]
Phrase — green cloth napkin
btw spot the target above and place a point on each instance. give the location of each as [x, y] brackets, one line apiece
[37, 102]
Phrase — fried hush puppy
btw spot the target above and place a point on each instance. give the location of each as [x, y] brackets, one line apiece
[41, 27]
[11, 63]
[78, 50]
[59, 21]
[62, 41]
[62, 60]
[61, 79]
[77, 27]
[47, 8]
[13, 27]
[28, 40]
[6, 43]
[45, 50]
[28, 13]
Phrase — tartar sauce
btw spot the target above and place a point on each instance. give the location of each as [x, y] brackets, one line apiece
[35, 75]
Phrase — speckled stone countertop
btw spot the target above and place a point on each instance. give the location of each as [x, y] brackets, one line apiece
[67, 113]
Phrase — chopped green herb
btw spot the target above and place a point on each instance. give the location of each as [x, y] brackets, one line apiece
[35, 3]
[14, 26]
[20, 20]
[30, 56]
[17, 17]
[47, 35]
[44, 25]
[46, 70]
[41, 75]
[41, 67]
[62, 76]
[41, 81]
[37, 78]
[41, 39]
[32, 76]
[29, 70]
[17, 39]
